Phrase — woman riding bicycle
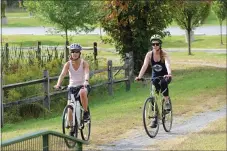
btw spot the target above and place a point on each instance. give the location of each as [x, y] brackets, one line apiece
[78, 70]
[160, 63]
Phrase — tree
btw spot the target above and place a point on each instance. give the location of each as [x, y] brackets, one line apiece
[219, 7]
[131, 24]
[190, 14]
[65, 15]
[3, 8]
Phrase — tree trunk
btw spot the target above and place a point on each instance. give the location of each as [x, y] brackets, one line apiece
[221, 32]
[189, 34]
[189, 42]
[66, 44]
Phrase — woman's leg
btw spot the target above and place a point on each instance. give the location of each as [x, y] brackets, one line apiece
[84, 98]
[70, 117]
[164, 87]
[165, 90]
[84, 101]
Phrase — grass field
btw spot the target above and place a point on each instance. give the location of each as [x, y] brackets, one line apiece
[209, 42]
[213, 137]
[33, 22]
[193, 89]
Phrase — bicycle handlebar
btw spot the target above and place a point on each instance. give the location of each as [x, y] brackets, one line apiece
[66, 87]
[158, 77]
[61, 88]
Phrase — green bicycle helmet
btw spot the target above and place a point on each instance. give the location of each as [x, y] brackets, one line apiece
[156, 37]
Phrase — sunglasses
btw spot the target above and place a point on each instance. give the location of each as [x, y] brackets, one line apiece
[155, 44]
[75, 51]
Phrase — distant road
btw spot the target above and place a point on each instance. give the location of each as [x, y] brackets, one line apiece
[204, 30]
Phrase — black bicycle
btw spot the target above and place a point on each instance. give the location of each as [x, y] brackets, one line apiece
[154, 109]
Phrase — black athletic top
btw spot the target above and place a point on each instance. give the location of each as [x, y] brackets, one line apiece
[158, 68]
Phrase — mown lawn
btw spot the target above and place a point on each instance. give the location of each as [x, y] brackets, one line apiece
[114, 115]
[206, 42]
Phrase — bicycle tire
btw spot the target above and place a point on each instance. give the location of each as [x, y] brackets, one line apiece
[150, 112]
[86, 130]
[167, 117]
[70, 144]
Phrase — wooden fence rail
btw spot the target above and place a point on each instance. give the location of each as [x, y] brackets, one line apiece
[127, 67]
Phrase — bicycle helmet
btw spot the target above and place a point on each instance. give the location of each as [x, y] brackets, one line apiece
[75, 46]
[156, 37]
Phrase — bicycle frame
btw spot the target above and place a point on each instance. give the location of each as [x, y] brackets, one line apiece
[78, 109]
[158, 97]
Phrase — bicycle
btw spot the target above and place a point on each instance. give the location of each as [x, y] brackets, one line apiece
[152, 111]
[78, 123]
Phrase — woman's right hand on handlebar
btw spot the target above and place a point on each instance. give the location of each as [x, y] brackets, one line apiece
[137, 79]
[57, 87]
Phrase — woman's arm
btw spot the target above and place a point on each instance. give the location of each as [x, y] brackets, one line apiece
[63, 74]
[167, 63]
[86, 71]
[145, 64]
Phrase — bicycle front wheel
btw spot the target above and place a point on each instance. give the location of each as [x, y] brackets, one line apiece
[68, 129]
[86, 129]
[167, 117]
[150, 112]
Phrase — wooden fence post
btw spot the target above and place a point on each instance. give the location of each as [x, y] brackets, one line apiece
[6, 62]
[66, 51]
[131, 66]
[95, 50]
[46, 85]
[127, 83]
[110, 77]
[38, 53]
[2, 97]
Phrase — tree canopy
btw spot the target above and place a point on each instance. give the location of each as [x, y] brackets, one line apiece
[65, 15]
[131, 24]
[219, 7]
[190, 14]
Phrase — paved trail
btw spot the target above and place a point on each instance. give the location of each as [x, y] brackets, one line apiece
[137, 139]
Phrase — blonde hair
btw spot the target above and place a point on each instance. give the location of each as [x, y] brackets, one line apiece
[162, 55]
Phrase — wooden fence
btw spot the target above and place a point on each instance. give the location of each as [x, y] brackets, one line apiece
[46, 79]
[38, 51]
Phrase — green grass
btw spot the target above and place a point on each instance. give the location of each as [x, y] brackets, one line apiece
[211, 20]
[34, 22]
[213, 138]
[124, 108]
[25, 22]
[31, 40]
[17, 14]
[209, 42]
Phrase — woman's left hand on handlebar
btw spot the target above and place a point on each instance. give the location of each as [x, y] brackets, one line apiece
[168, 76]
[86, 83]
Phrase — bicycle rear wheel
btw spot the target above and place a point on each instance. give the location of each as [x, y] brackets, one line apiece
[150, 112]
[167, 117]
[66, 129]
[86, 129]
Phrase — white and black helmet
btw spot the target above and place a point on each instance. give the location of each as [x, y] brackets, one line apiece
[156, 37]
[75, 46]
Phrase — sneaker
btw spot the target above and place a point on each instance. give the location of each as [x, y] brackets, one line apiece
[167, 106]
[153, 123]
[86, 116]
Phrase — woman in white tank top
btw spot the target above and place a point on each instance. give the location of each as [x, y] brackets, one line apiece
[78, 70]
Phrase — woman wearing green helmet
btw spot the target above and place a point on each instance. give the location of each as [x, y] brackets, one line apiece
[160, 63]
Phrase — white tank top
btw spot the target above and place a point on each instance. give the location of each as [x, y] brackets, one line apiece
[76, 77]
